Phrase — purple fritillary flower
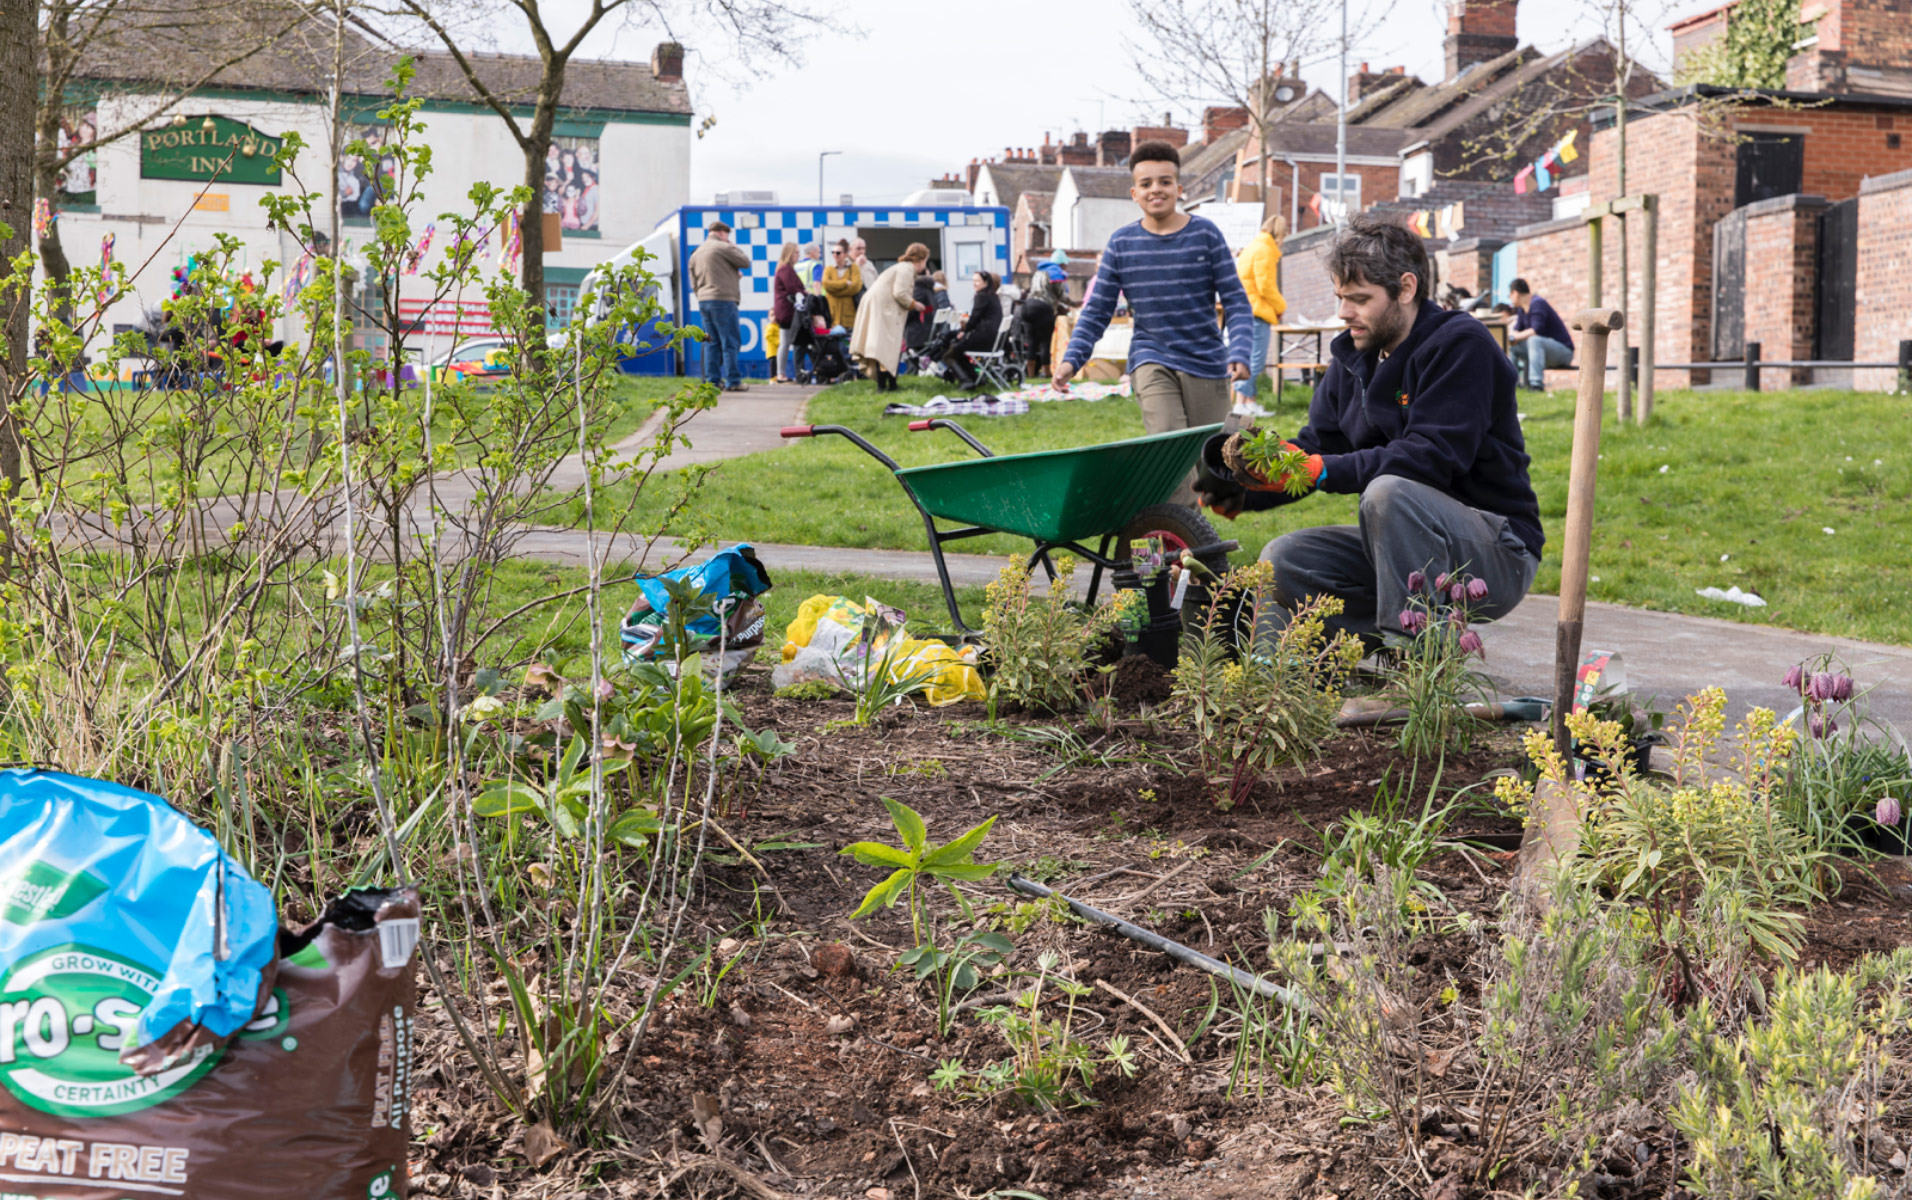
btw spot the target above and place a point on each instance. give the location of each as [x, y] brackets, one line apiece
[1820, 688]
[1841, 688]
[1416, 581]
[1888, 812]
[1457, 591]
[1413, 621]
[1822, 727]
[1477, 589]
[1796, 679]
[1441, 581]
[1456, 618]
[1471, 644]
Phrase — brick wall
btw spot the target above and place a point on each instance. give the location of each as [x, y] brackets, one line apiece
[1883, 295]
[1553, 261]
[1469, 263]
[1860, 45]
[1377, 183]
[1305, 284]
[1782, 242]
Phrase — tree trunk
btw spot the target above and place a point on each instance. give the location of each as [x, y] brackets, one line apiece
[19, 105]
[537, 145]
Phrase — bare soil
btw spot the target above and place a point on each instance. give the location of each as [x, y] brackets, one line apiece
[809, 1112]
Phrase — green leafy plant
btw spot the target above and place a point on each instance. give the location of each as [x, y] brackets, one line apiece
[1271, 457]
[1048, 1068]
[887, 680]
[1845, 765]
[1428, 671]
[1038, 647]
[1275, 704]
[914, 866]
[1793, 1106]
[1711, 835]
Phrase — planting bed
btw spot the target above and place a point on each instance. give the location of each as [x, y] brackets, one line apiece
[816, 1057]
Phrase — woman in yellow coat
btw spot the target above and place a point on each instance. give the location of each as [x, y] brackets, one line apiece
[1259, 265]
[878, 340]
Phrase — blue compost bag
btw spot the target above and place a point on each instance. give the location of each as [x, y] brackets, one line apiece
[728, 583]
[126, 934]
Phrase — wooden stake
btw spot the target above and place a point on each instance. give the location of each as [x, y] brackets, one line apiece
[1576, 547]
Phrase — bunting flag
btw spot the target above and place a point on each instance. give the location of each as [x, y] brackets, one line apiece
[43, 218]
[1543, 168]
[106, 266]
[1437, 222]
[298, 277]
[510, 242]
[1314, 205]
[417, 255]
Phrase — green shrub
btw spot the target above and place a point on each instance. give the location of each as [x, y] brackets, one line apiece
[1039, 646]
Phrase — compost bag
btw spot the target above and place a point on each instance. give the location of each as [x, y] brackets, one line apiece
[726, 609]
[159, 1037]
[835, 640]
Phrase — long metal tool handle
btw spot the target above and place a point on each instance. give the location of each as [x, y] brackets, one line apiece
[1577, 545]
[1175, 950]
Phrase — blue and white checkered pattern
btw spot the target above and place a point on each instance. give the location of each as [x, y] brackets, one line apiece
[763, 232]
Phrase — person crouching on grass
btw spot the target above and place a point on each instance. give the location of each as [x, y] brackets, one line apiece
[1172, 266]
[1415, 415]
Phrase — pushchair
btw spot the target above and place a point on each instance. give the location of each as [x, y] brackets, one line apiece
[820, 357]
[927, 359]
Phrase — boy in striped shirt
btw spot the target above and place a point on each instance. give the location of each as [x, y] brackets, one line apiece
[1172, 266]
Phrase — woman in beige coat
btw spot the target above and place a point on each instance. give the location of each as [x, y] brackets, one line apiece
[878, 340]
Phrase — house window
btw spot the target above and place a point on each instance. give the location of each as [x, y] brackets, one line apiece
[560, 300]
[1769, 165]
[1344, 189]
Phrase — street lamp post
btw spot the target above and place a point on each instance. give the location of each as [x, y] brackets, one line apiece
[820, 158]
[1341, 126]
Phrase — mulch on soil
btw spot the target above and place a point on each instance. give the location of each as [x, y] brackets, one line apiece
[814, 1105]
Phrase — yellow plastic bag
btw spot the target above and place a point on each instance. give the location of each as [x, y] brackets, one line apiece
[834, 637]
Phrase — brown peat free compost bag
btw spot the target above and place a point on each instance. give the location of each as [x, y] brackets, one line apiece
[308, 1099]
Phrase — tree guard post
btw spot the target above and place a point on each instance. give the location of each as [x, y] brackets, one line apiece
[1576, 546]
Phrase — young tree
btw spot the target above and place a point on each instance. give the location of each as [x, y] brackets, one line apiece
[1198, 51]
[18, 82]
[746, 28]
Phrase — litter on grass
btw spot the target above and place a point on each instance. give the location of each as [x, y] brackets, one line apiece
[1732, 594]
[1004, 404]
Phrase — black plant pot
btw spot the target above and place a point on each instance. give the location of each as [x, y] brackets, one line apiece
[1161, 638]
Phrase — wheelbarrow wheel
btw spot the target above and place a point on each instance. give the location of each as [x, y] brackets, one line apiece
[1179, 528]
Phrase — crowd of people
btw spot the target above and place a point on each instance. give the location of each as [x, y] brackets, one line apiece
[885, 317]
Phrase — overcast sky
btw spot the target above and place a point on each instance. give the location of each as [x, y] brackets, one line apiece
[927, 86]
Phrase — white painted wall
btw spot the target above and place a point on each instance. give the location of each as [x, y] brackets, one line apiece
[644, 175]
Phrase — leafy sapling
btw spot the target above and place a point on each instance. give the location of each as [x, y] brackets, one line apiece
[915, 865]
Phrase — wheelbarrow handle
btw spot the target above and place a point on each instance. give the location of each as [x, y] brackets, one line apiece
[804, 431]
[953, 427]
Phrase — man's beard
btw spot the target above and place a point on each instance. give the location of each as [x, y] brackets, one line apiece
[1386, 329]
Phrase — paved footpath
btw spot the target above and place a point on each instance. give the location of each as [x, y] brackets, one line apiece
[1667, 655]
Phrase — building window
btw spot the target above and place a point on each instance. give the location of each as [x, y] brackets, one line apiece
[1769, 165]
[1343, 189]
[560, 300]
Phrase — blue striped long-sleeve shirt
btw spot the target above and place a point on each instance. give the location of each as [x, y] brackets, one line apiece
[1171, 281]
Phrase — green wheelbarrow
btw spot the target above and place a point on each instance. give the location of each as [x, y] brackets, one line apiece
[1115, 493]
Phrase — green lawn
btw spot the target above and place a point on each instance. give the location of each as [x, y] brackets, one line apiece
[1754, 477]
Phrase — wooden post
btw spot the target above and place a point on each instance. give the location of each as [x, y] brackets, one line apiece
[1576, 548]
[1649, 308]
[1593, 264]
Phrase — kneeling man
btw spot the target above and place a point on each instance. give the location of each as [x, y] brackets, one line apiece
[1415, 415]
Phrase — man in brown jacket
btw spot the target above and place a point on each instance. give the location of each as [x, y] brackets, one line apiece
[716, 271]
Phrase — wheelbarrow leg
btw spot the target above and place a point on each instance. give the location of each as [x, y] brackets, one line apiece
[942, 573]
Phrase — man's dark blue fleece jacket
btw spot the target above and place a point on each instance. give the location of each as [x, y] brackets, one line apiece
[1439, 410]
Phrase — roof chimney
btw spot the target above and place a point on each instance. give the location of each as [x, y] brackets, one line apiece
[667, 62]
[1479, 30]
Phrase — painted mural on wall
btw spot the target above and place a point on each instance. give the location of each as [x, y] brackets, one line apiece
[571, 182]
[366, 172]
[80, 181]
[202, 149]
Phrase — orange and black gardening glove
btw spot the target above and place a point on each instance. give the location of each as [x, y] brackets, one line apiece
[1294, 483]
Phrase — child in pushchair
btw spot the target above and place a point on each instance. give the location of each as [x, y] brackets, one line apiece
[822, 353]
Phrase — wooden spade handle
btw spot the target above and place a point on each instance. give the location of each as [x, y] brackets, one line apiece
[1576, 546]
